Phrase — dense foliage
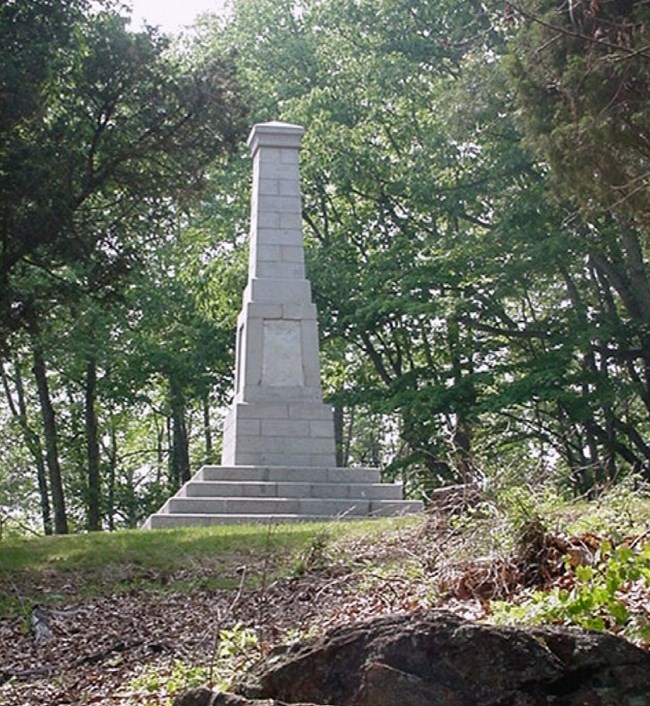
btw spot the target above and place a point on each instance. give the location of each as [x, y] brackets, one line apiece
[474, 279]
[106, 136]
[476, 214]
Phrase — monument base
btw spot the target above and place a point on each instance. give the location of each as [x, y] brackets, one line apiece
[279, 434]
[270, 494]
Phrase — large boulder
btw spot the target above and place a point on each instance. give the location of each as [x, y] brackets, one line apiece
[439, 659]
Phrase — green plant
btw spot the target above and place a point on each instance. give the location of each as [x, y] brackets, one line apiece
[156, 686]
[302, 634]
[316, 556]
[236, 650]
[598, 596]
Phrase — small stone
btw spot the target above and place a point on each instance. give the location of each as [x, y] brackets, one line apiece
[196, 697]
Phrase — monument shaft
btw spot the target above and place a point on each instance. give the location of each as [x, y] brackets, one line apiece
[277, 417]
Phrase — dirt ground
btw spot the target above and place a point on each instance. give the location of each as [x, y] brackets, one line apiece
[144, 636]
[96, 650]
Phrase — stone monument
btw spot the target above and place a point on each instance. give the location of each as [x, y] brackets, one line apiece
[278, 417]
[278, 460]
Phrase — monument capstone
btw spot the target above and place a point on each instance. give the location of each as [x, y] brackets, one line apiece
[278, 459]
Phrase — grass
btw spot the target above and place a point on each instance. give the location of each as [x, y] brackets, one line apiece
[617, 512]
[103, 562]
[53, 570]
[166, 549]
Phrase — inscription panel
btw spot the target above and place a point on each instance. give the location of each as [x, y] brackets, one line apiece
[282, 354]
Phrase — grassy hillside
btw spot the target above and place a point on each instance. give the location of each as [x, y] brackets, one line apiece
[103, 562]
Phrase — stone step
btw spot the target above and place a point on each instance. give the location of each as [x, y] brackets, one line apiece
[267, 506]
[271, 489]
[284, 506]
[296, 474]
[165, 520]
[263, 494]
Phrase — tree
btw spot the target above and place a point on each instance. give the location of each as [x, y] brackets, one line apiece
[183, 340]
[106, 138]
[111, 130]
[581, 73]
[447, 277]
[581, 83]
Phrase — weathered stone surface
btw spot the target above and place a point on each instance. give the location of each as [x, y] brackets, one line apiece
[196, 697]
[239, 494]
[441, 660]
[207, 697]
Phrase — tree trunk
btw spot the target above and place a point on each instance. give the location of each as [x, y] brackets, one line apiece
[180, 460]
[161, 437]
[50, 435]
[131, 501]
[171, 471]
[207, 430]
[438, 470]
[630, 280]
[112, 466]
[92, 447]
[338, 435]
[32, 442]
[603, 447]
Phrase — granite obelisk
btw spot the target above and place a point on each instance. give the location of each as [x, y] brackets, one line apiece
[278, 417]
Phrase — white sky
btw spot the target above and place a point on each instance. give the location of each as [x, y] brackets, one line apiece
[171, 15]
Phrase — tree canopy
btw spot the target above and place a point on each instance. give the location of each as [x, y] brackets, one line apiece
[476, 214]
[102, 129]
[107, 139]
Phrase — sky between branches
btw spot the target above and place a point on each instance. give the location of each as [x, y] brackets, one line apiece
[172, 16]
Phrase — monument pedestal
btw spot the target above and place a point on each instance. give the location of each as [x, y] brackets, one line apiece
[278, 445]
[253, 494]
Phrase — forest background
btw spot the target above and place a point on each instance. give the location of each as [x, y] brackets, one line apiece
[476, 211]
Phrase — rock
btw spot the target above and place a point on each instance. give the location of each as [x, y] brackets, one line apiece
[207, 697]
[195, 697]
[439, 659]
